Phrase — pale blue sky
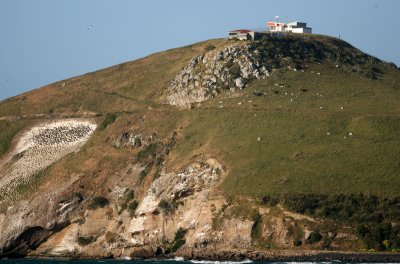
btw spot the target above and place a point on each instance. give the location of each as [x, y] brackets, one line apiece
[43, 41]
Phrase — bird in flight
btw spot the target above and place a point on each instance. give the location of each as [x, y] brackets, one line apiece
[90, 27]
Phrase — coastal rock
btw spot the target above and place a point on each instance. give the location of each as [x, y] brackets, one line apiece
[209, 74]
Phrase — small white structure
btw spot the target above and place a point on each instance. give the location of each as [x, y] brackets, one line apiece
[298, 27]
[276, 26]
[242, 34]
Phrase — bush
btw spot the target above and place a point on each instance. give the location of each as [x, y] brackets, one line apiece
[149, 151]
[297, 243]
[99, 202]
[108, 120]
[256, 228]
[142, 174]
[314, 237]
[137, 142]
[179, 240]
[167, 207]
[133, 205]
[130, 195]
[234, 69]
[209, 47]
[83, 241]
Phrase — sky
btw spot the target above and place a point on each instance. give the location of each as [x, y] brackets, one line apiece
[44, 41]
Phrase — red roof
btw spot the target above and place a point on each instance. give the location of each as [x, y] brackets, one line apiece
[270, 24]
[240, 31]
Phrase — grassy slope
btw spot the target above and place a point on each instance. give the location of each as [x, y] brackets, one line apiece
[294, 153]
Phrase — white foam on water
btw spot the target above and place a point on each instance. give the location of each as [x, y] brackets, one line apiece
[221, 262]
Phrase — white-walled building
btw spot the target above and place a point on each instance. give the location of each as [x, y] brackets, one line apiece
[242, 34]
[298, 27]
[275, 28]
[294, 27]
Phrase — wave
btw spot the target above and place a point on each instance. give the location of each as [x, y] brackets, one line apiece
[221, 262]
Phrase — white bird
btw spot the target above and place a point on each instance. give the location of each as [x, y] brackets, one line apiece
[89, 27]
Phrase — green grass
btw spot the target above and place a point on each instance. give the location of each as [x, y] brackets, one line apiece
[295, 154]
[8, 130]
[304, 148]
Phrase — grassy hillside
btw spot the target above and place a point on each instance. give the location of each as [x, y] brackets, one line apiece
[328, 128]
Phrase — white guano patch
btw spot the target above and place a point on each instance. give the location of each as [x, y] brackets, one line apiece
[43, 145]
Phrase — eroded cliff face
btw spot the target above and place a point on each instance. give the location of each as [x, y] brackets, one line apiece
[172, 211]
[175, 200]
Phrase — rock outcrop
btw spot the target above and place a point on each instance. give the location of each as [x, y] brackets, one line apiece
[207, 75]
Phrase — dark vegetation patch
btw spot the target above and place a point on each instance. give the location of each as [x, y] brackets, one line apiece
[178, 242]
[209, 47]
[129, 202]
[148, 152]
[83, 241]
[376, 219]
[133, 205]
[108, 120]
[296, 52]
[99, 202]
[256, 229]
[314, 237]
[168, 206]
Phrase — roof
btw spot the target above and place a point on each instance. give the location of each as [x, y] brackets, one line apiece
[271, 24]
[240, 31]
[296, 23]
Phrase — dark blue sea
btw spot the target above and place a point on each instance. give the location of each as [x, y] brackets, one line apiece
[173, 261]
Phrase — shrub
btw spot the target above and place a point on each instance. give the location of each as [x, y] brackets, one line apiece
[137, 142]
[133, 205]
[108, 120]
[209, 47]
[167, 207]
[130, 195]
[83, 241]
[255, 229]
[270, 200]
[179, 240]
[297, 243]
[142, 174]
[149, 151]
[234, 69]
[314, 237]
[99, 202]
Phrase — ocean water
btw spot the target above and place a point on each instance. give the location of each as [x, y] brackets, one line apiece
[172, 261]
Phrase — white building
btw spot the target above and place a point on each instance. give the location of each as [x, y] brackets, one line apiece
[294, 27]
[242, 34]
[276, 26]
[298, 27]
